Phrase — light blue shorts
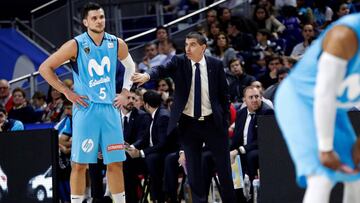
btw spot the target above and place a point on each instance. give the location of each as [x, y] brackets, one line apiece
[97, 128]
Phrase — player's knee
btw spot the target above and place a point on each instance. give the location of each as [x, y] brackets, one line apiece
[79, 168]
[116, 166]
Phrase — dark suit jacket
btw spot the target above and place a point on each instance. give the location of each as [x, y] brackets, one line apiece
[180, 70]
[158, 134]
[139, 123]
[238, 138]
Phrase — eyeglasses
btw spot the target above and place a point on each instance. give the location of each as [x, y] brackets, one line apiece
[4, 88]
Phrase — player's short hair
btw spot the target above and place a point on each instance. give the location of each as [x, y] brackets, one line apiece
[89, 7]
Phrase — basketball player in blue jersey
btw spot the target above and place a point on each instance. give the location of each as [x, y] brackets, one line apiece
[311, 108]
[96, 120]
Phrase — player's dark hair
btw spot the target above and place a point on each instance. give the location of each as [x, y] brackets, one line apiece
[89, 7]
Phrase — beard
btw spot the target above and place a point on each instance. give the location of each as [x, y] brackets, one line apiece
[97, 31]
[129, 107]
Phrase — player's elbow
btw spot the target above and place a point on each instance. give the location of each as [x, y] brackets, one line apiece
[44, 69]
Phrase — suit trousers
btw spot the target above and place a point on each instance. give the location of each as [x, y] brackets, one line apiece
[193, 134]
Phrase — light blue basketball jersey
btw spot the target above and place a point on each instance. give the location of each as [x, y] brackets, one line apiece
[95, 68]
[304, 74]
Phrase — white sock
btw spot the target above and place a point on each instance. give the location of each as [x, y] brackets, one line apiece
[77, 198]
[119, 197]
[318, 189]
[351, 192]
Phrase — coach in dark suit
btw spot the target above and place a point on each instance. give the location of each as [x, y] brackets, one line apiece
[200, 111]
[135, 125]
[244, 141]
[153, 151]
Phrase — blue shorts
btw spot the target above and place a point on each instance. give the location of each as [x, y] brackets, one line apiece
[97, 128]
[295, 117]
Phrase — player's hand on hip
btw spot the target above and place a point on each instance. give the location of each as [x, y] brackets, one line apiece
[331, 160]
[356, 154]
[75, 98]
[140, 78]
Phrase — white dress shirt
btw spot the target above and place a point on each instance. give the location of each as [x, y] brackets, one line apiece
[205, 97]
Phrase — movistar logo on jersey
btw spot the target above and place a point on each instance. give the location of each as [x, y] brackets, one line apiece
[99, 69]
[93, 66]
[349, 91]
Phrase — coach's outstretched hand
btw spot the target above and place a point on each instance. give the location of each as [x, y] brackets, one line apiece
[121, 98]
[331, 160]
[140, 78]
[75, 98]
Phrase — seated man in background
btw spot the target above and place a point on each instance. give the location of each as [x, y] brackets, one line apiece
[244, 142]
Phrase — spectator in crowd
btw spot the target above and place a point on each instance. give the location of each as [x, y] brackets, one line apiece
[21, 110]
[212, 35]
[270, 91]
[223, 51]
[305, 13]
[340, 9]
[197, 113]
[308, 33]
[165, 87]
[5, 96]
[211, 17]
[244, 142]
[265, 47]
[39, 104]
[292, 33]
[7, 124]
[322, 14]
[55, 107]
[39, 101]
[240, 41]
[274, 63]
[224, 18]
[169, 50]
[162, 35]
[154, 143]
[266, 21]
[151, 58]
[241, 81]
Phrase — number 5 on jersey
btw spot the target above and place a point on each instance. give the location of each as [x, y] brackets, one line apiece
[102, 93]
